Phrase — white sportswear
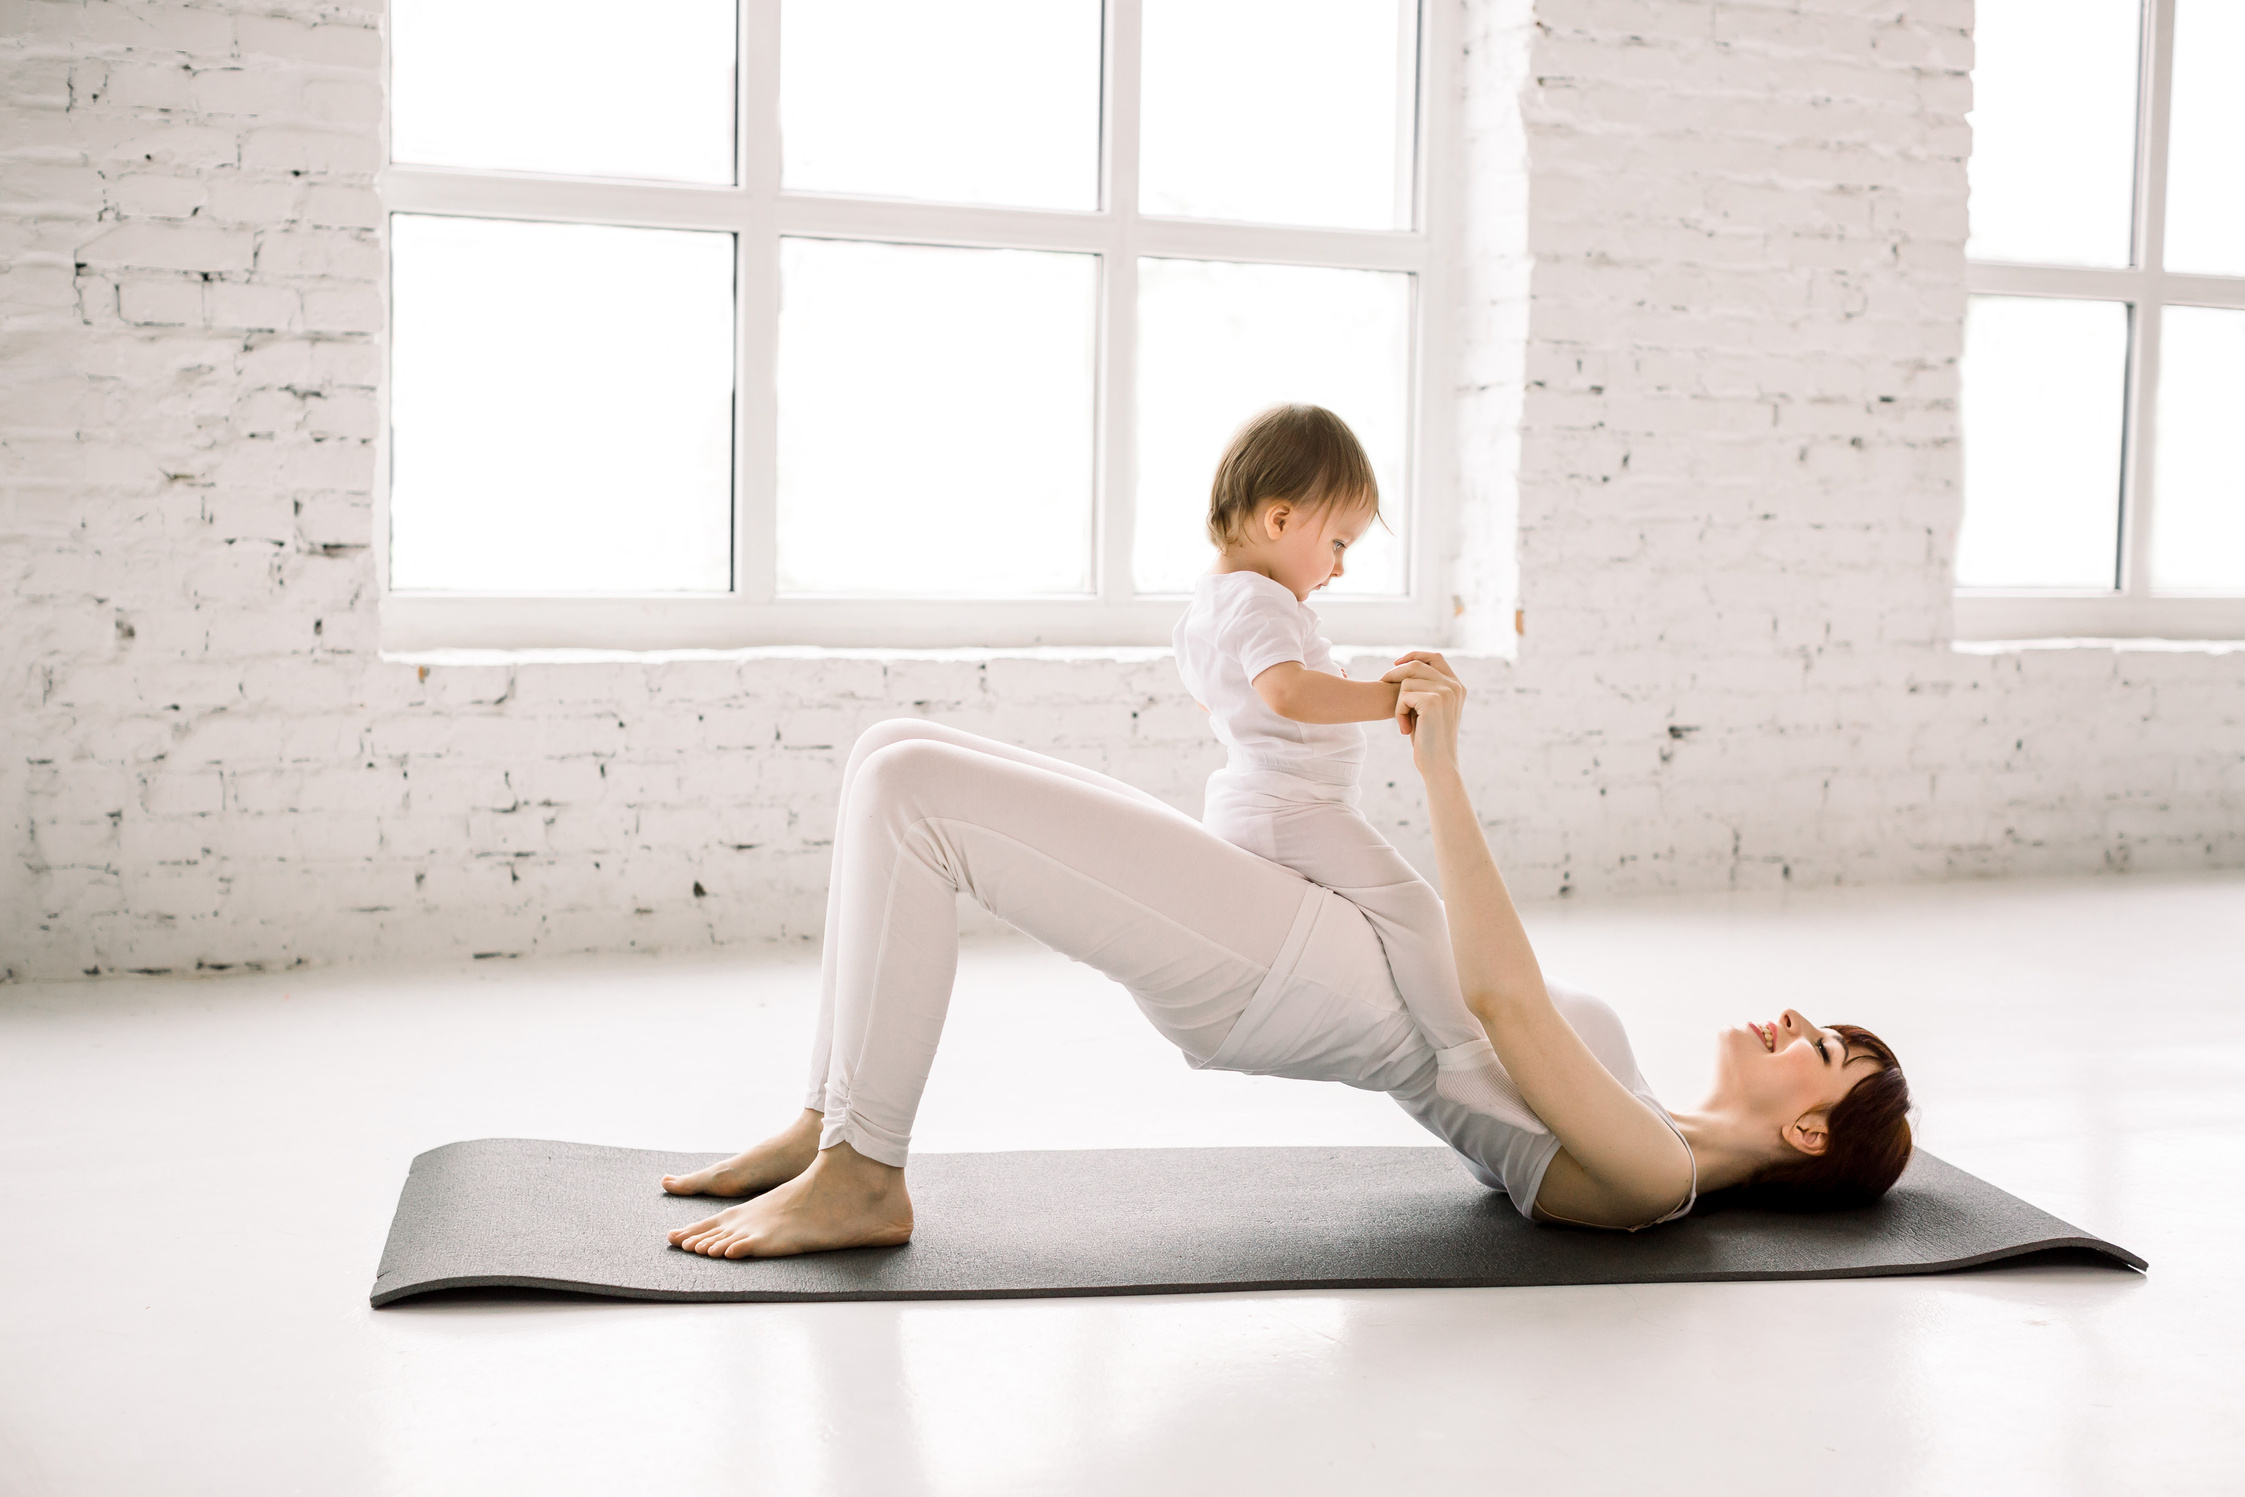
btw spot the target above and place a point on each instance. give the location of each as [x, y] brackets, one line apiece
[1242, 964]
[1238, 626]
[1288, 792]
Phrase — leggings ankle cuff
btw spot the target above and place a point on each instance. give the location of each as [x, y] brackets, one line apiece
[877, 1144]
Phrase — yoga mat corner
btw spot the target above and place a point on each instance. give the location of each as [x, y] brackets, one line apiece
[591, 1219]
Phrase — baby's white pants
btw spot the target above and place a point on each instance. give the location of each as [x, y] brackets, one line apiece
[1315, 829]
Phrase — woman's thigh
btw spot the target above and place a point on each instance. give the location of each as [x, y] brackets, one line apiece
[897, 730]
[1187, 922]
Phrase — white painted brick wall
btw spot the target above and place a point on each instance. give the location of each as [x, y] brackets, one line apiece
[1714, 278]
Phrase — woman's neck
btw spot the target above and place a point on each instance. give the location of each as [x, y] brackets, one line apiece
[1729, 1146]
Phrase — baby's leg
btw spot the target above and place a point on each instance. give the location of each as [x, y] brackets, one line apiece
[1335, 846]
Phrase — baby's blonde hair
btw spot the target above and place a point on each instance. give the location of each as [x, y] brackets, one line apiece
[1303, 454]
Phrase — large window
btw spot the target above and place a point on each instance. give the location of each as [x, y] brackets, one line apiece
[2104, 362]
[730, 322]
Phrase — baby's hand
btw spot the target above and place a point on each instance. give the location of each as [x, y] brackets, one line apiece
[1405, 718]
[1425, 677]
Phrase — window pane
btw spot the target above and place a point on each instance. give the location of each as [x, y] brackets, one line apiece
[935, 420]
[2054, 130]
[2043, 386]
[1218, 342]
[994, 101]
[2198, 519]
[2206, 140]
[1279, 111]
[569, 87]
[561, 407]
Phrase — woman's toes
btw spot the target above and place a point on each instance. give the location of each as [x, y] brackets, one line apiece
[738, 1248]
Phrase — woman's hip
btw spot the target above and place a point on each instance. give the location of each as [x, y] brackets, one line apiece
[1328, 1009]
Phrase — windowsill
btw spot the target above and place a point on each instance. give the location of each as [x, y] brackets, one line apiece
[416, 626]
[2143, 645]
[1119, 654]
[465, 657]
[1995, 617]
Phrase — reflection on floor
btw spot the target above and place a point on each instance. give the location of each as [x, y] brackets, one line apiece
[198, 1176]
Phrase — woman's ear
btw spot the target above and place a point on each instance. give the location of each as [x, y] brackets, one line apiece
[1807, 1133]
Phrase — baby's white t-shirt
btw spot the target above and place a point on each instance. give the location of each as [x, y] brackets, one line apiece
[1239, 625]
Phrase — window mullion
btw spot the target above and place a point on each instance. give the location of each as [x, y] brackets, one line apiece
[383, 384]
[459, 193]
[1118, 330]
[2072, 282]
[756, 305]
[2139, 498]
[969, 225]
[1282, 244]
[1431, 520]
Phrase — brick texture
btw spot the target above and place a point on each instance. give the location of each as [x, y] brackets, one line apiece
[1707, 409]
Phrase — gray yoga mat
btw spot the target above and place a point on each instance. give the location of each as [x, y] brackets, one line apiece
[581, 1217]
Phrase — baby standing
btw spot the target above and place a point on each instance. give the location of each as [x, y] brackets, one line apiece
[1293, 492]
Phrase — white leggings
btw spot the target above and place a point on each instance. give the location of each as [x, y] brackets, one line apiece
[1196, 929]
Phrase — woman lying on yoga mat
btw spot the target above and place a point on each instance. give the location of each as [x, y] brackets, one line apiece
[1246, 966]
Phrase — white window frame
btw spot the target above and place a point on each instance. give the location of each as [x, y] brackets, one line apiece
[758, 213]
[2132, 609]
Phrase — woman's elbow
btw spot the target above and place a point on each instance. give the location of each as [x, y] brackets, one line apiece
[1494, 1003]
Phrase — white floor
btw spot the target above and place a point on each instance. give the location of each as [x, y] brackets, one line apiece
[196, 1178]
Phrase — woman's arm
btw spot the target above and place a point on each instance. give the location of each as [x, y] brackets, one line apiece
[1294, 691]
[1620, 1164]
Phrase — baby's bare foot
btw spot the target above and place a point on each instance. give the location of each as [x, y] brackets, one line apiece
[775, 1161]
[843, 1201]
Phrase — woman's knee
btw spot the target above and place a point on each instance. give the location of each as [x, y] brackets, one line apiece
[905, 767]
[890, 731]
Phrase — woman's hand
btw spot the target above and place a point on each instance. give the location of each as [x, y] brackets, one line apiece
[1428, 706]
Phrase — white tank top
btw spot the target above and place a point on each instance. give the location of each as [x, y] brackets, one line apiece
[1507, 1158]
[1329, 1012]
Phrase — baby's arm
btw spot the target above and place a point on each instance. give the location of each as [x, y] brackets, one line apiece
[1294, 691]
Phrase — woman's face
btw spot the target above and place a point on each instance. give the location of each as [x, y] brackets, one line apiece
[1789, 1074]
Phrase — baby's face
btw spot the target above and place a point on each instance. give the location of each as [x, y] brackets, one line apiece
[1311, 549]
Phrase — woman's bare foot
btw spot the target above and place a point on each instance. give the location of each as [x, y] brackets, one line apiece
[843, 1200]
[775, 1161]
